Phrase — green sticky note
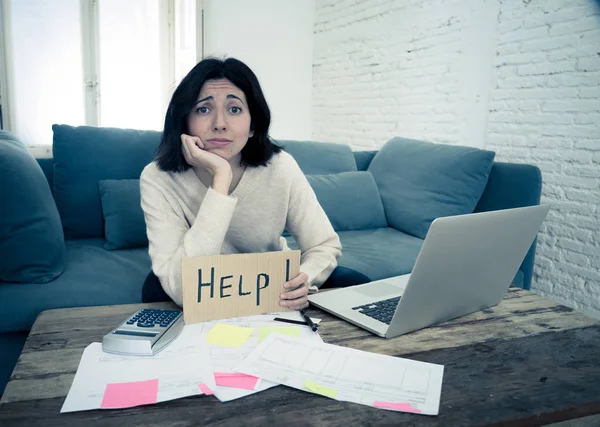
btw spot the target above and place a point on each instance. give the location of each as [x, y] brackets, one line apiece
[292, 331]
[228, 335]
[320, 389]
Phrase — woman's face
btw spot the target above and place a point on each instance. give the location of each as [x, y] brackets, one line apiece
[221, 119]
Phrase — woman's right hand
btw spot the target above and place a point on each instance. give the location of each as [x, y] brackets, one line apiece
[219, 168]
[196, 155]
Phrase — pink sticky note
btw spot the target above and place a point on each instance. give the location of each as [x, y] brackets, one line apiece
[205, 389]
[127, 395]
[404, 407]
[247, 382]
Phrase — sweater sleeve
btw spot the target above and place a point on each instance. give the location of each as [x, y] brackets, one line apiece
[307, 222]
[170, 236]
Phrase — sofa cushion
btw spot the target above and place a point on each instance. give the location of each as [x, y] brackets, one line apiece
[31, 235]
[350, 200]
[85, 155]
[124, 224]
[93, 276]
[420, 181]
[378, 253]
[320, 158]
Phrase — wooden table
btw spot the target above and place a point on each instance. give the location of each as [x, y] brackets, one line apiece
[525, 362]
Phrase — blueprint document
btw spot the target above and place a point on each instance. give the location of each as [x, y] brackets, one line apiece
[347, 374]
[112, 381]
[224, 359]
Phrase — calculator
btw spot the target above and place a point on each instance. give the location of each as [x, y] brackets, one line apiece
[145, 333]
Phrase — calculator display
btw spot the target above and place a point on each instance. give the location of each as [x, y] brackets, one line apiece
[134, 333]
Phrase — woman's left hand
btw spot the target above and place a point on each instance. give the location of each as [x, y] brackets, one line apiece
[296, 293]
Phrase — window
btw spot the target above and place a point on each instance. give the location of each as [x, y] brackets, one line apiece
[97, 62]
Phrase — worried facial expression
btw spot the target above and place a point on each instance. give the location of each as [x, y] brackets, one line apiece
[221, 119]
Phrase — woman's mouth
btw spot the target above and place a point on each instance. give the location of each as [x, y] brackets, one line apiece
[219, 141]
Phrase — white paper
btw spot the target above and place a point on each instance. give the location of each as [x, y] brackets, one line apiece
[357, 376]
[180, 368]
[226, 359]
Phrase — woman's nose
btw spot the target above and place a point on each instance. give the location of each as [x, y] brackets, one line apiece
[219, 124]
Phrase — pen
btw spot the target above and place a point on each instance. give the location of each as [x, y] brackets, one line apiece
[295, 322]
[309, 322]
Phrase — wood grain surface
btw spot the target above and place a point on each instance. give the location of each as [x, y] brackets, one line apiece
[525, 362]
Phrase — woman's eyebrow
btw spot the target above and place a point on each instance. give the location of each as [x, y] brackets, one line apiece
[232, 96]
[204, 99]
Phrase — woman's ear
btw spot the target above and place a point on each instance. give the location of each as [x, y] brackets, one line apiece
[251, 133]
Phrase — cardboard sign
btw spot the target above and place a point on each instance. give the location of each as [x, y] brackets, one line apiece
[224, 286]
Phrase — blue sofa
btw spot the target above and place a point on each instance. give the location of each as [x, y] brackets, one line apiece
[75, 236]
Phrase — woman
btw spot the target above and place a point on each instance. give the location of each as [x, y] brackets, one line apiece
[220, 186]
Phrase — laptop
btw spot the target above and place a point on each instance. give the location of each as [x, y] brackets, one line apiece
[466, 264]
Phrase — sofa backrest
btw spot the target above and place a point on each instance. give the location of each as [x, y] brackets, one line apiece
[509, 185]
[85, 155]
[47, 166]
[320, 158]
[363, 159]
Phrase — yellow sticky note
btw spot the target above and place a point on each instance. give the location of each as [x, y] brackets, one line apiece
[292, 331]
[320, 389]
[228, 335]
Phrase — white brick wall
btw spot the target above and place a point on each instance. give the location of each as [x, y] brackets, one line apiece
[545, 110]
[405, 68]
[384, 68]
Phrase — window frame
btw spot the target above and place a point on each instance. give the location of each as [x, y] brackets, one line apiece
[5, 78]
[90, 38]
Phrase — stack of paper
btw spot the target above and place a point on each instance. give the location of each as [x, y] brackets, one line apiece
[111, 381]
[234, 358]
[201, 360]
[230, 341]
[348, 375]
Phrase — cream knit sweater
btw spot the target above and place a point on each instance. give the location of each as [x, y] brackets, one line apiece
[184, 218]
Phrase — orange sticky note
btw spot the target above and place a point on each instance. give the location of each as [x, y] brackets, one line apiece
[128, 395]
[403, 406]
[247, 382]
[205, 389]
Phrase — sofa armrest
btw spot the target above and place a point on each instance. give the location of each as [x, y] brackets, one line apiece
[512, 185]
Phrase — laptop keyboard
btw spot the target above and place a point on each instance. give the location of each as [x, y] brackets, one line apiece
[380, 310]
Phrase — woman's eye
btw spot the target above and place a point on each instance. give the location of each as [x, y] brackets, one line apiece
[235, 110]
[202, 110]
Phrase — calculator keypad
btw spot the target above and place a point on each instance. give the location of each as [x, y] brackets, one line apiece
[150, 318]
